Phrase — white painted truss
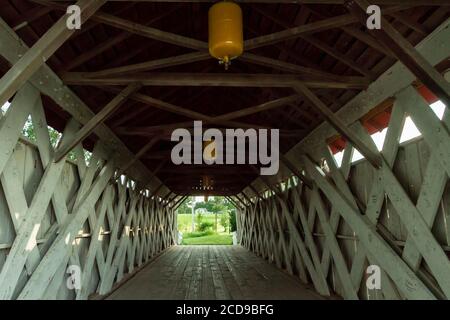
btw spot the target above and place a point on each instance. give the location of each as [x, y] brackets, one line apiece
[56, 214]
[355, 215]
[396, 217]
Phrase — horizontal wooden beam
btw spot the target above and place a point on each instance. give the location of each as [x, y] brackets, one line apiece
[216, 80]
[202, 46]
[203, 55]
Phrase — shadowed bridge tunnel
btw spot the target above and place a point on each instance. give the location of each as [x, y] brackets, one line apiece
[88, 191]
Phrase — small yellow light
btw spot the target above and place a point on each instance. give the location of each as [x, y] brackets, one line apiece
[209, 150]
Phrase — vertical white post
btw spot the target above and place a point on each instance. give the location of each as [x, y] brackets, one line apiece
[193, 214]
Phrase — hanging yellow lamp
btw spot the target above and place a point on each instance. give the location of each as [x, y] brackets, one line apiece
[226, 40]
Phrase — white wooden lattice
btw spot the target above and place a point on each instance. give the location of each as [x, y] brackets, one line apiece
[68, 213]
[395, 217]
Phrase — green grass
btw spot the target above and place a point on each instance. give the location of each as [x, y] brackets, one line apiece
[205, 237]
[198, 234]
[185, 222]
[209, 239]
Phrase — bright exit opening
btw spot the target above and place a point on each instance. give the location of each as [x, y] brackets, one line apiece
[206, 220]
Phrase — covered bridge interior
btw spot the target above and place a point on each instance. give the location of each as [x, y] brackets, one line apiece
[102, 195]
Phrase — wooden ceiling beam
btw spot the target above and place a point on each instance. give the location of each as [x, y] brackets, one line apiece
[407, 21]
[215, 80]
[277, 103]
[144, 112]
[219, 193]
[286, 67]
[95, 51]
[153, 156]
[310, 28]
[152, 65]
[126, 114]
[135, 28]
[150, 32]
[168, 107]
[138, 156]
[373, 158]
[343, 58]
[319, 44]
[356, 33]
[165, 130]
[149, 130]
[91, 23]
[165, 106]
[405, 52]
[45, 47]
[111, 42]
[129, 55]
[99, 118]
[213, 172]
[30, 16]
[201, 55]
[195, 44]
[287, 117]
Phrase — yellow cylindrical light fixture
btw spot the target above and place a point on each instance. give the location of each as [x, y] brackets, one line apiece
[226, 40]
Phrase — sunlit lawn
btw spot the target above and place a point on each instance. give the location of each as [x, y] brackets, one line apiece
[185, 222]
[209, 239]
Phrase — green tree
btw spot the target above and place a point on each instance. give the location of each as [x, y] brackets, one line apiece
[185, 206]
[225, 220]
[208, 206]
[218, 206]
[199, 219]
[233, 226]
[54, 135]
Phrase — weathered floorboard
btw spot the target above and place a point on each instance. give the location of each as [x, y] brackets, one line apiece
[212, 272]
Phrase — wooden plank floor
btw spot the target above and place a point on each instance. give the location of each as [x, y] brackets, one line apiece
[212, 272]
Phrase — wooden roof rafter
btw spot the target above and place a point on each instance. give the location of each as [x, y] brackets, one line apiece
[277, 52]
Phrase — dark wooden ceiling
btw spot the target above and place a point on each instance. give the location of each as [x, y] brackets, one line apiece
[347, 50]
